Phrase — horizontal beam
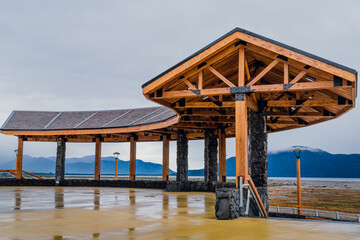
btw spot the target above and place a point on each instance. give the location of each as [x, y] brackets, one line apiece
[302, 86]
[299, 114]
[294, 103]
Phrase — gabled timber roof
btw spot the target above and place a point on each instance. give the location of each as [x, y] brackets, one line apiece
[257, 36]
[47, 121]
[298, 88]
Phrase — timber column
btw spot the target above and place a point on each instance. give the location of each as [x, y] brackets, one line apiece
[132, 173]
[241, 138]
[97, 158]
[19, 158]
[60, 159]
[210, 156]
[258, 152]
[165, 170]
[222, 155]
[182, 157]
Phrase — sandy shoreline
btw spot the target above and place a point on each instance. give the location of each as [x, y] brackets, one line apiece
[317, 193]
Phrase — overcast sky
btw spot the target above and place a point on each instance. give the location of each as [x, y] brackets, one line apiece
[95, 55]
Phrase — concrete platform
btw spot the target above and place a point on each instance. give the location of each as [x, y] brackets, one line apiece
[120, 213]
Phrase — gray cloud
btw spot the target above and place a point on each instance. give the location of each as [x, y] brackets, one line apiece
[89, 55]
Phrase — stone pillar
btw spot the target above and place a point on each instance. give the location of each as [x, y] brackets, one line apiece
[258, 152]
[210, 156]
[182, 157]
[60, 159]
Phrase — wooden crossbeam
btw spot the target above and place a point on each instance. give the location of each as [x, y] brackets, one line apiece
[241, 70]
[189, 84]
[298, 114]
[300, 86]
[204, 112]
[201, 80]
[205, 105]
[263, 72]
[286, 73]
[299, 77]
[219, 75]
[285, 122]
[294, 103]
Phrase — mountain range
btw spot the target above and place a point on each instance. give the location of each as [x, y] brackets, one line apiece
[314, 163]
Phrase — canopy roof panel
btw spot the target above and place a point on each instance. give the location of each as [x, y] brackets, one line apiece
[48, 121]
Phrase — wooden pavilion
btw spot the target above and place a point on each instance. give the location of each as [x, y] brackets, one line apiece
[242, 85]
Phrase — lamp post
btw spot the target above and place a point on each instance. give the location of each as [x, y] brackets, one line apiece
[116, 156]
[297, 152]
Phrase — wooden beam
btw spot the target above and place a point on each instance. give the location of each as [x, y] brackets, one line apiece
[132, 173]
[294, 103]
[97, 158]
[276, 49]
[222, 155]
[263, 72]
[257, 196]
[19, 158]
[286, 73]
[299, 76]
[189, 84]
[241, 71]
[247, 70]
[298, 114]
[241, 140]
[302, 86]
[219, 75]
[206, 105]
[201, 80]
[165, 169]
[251, 104]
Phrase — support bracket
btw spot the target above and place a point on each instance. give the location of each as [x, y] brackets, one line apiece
[239, 97]
[197, 92]
[245, 89]
[287, 86]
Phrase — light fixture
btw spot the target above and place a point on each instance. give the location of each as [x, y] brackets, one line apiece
[297, 152]
[309, 78]
[116, 155]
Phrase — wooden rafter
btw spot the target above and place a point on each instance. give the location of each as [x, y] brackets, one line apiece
[220, 76]
[263, 72]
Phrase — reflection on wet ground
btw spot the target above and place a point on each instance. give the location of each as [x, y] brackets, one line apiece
[120, 213]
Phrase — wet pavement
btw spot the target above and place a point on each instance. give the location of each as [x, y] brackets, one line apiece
[120, 213]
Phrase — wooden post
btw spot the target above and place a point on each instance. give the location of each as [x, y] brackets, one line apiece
[116, 168]
[298, 184]
[241, 138]
[19, 158]
[132, 158]
[222, 155]
[241, 73]
[97, 158]
[165, 170]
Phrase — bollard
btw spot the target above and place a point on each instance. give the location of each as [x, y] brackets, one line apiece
[358, 217]
[337, 216]
[294, 210]
[316, 213]
[277, 209]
